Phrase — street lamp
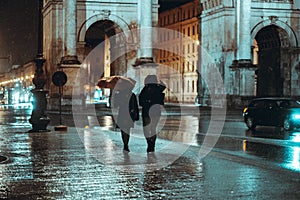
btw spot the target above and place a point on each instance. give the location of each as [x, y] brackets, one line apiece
[38, 119]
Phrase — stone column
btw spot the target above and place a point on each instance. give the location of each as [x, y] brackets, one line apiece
[242, 67]
[243, 25]
[144, 63]
[146, 29]
[70, 32]
[296, 4]
[69, 62]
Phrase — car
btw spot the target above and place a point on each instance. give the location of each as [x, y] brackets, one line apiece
[272, 111]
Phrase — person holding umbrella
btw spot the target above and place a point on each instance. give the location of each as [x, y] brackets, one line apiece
[125, 101]
[151, 98]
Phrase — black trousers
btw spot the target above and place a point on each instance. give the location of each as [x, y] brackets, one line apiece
[149, 128]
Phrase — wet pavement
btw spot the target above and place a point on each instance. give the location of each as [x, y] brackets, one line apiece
[88, 163]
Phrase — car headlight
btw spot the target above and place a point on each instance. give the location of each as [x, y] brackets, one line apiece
[296, 116]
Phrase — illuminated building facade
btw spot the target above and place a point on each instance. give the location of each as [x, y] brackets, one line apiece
[181, 54]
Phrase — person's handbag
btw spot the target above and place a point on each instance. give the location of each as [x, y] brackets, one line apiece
[133, 108]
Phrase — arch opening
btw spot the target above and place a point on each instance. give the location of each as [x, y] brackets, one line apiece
[267, 55]
[101, 35]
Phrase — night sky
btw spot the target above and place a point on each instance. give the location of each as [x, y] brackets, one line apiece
[18, 32]
[167, 4]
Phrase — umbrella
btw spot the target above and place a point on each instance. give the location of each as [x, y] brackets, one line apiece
[117, 82]
[102, 82]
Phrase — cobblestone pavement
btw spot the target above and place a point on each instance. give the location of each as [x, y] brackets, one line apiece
[90, 164]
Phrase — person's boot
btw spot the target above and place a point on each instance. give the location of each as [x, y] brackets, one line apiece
[125, 138]
[151, 144]
[126, 148]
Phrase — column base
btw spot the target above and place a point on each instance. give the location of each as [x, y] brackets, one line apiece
[244, 78]
[243, 63]
[144, 67]
[39, 119]
[40, 125]
[67, 60]
[143, 61]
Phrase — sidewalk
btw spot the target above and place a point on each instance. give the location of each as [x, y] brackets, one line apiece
[90, 164]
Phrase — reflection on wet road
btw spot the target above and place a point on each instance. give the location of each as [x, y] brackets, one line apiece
[267, 144]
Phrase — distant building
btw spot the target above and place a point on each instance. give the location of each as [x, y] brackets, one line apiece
[182, 53]
[15, 85]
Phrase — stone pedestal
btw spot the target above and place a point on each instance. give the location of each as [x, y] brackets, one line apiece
[73, 81]
[143, 70]
[244, 70]
[73, 78]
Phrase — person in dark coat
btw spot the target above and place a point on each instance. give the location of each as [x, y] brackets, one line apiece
[151, 99]
[128, 112]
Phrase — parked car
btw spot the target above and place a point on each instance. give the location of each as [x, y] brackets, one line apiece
[280, 112]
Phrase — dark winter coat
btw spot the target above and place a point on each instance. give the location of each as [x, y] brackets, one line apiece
[150, 95]
[128, 110]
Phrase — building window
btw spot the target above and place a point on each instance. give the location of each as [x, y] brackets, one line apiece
[193, 30]
[193, 66]
[193, 86]
[173, 52]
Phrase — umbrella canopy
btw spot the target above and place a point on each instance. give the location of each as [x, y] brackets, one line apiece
[116, 82]
[102, 82]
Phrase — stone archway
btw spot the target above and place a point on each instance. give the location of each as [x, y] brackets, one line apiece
[105, 40]
[270, 41]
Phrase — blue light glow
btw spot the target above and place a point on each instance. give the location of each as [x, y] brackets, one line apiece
[296, 116]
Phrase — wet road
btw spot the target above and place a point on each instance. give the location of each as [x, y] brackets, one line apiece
[270, 146]
[276, 147]
[62, 165]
